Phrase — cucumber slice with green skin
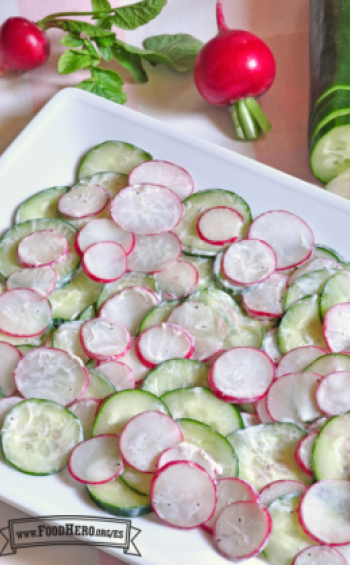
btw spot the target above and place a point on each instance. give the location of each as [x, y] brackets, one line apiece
[67, 338]
[128, 280]
[340, 185]
[43, 204]
[99, 387]
[330, 454]
[69, 302]
[119, 408]
[137, 481]
[324, 119]
[88, 314]
[38, 435]
[175, 374]
[116, 156]
[158, 315]
[301, 325]
[66, 269]
[321, 251]
[266, 453]
[331, 363]
[200, 404]
[336, 291]
[204, 267]
[328, 107]
[112, 182]
[311, 283]
[212, 442]
[287, 538]
[198, 203]
[330, 149]
[118, 499]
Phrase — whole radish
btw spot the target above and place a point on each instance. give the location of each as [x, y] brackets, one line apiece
[23, 45]
[231, 69]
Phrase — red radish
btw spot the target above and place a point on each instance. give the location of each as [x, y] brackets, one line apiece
[83, 201]
[10, 357]
[6, 404]
[104, 339]
[86, 409]
[104, 261]
[303, 453]
[96, 460]
[163, 342]
[42, 249]
[188, 452]
[23, 45]
[219, 225]
[119, 374]
[280, 488]
[232, 68]
[24, 313]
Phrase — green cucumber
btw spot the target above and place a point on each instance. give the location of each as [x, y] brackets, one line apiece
[43, 204]
[88, 314]
[310, 283]
[99, 386]
[330, 363]
[324, 252]
[158, 315]
[112, 182]
[175, 374]
[301, 325]
[67, 338]
[330, 454]
[204, 267]
[336, 291]
[116, 156]
[330, 149]
[69, 302]
[137, 481]
[118, 499]
[128, 280]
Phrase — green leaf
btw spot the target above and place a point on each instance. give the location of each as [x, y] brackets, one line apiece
[100, 5]
[107, 78]
[91, 50]
[72, 61]
[131, 62]
[78, 27]
[106, 41]
[72, 41]
[149, 55]
[136, 15]
[96, 88]
[181, 49]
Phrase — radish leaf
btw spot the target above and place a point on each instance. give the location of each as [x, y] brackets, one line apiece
[136, 15]
[181, 50]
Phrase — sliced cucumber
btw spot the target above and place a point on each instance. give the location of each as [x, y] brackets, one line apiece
[175, 374]
[67, 337]
[158, 315]
[330, 149]
[336, 291]
[301, 325]
[323, 252]
[128, 280]
[137, 481]
[330, 363]
[68, 302]
[195, 205]
[112, 182]
[99, 386]
[204, 267]
[88, 314]
[266, 453]
[43, 204]
[311, 283]
[66, 269]
[115, 156]
[212, 442]
[330, 454]
[200, 404]
[118, 499]
[38, 435]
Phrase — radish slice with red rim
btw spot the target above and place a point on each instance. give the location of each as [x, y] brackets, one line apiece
[41, 279]
[96, 460]
[230, 490]
[178, 280]
[280, 488]
[103, 229]
[83, 201]
[319, 555]
[303, 453]
[249, 262]
[188, 452]
[261, 411]
[42, 248]
[24, 313]
[267, 300]
[317, 425]
[145, 437]
[270, 346]
[164, 174]
[183, 495]
[104, 339]
[86, 409]
[65, 377]
[289, 236]
[105, 261]
[333, 393]
[10, 357]
[130, 306]
[242, 530]
[153, 254]
[163, 342]
[220, 225]
[324, 512]
[336, 328]
[298, 359]
[5, 406]
[242, 374]
[146, 209]
[133, 362]
[119, 374]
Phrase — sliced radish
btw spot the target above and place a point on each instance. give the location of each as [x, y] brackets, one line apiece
[261, 411]
[219, 225]
[103, 229]
[5, 406]
[317, 425]
[163, 342]
[133, 362]
[292, 398]
[164, 174]
[313, 265]
[183, 495]
[145, 437]
[267, 300]
[178, 280]
[24, 313]
[205, 325]
[298, 359]
[83, 201]
[319, 555]
[289, 236]
[333, 393]
[188, 452]
[270, 346]
[242, 374]
[249, 262]
[130, 306]
[242, 530]
[86, 410]
[280, 488]
[336, 328]
[153, 254]
[146, 209]
[10, 357]
[104, 339]
[41, 279]
[324, 512]
[303, 453]
[96, 460]
[51, 374]
[105, 261]
[230, 490]
[250, 419]
[119, 374]
[42, 248]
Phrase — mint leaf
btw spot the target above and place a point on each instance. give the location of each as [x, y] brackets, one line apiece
[72, 41]
[107, 78]
[76, 28]
[131, 62]
[91, 50]
[100, 5]
[72, 61]
[136, 15]
[96, 88]
[181, 50]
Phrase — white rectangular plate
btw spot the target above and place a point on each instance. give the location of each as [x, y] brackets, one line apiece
[46, 154]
